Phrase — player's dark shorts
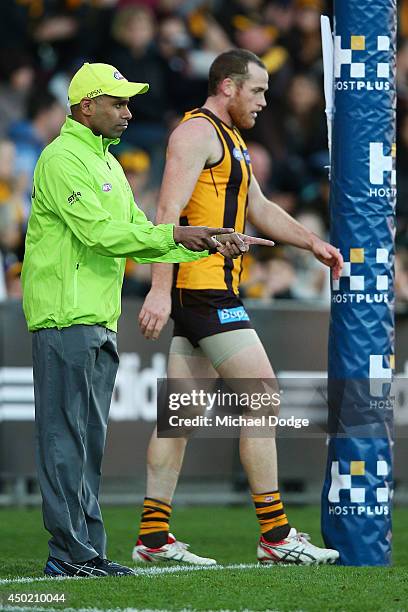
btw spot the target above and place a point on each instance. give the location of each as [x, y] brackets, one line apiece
[199, 313]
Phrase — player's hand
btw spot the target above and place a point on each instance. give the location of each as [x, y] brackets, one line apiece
[234, 245]
[328, 255]
[155, 313]
[199, 238]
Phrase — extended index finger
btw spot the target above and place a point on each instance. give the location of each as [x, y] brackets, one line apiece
[259, 241]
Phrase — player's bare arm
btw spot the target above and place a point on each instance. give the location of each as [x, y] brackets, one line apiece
[273, 221]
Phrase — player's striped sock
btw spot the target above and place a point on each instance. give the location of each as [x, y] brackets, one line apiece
[271, 516]
[154, 524]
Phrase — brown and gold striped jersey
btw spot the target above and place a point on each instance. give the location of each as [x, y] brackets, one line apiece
[219, 199]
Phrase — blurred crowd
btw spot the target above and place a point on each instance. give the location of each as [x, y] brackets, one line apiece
[171, 44]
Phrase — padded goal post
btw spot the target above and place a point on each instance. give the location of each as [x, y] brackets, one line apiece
[357, 493]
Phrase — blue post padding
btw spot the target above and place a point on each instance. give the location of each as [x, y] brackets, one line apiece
[361, 338]
[356, 500]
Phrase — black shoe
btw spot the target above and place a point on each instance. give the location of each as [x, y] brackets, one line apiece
[113, 569]
[96, 567]
[55, 567]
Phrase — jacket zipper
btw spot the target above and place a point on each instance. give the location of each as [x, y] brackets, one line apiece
[76, 285]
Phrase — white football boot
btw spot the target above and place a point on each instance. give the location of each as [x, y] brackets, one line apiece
[295, 548]
[174, 551]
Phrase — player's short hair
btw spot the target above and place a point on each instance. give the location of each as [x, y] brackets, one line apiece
[231, 64]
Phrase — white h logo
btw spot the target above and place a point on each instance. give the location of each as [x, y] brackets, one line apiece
[379, 375]
[357, 69]
[357, 282]
[342, 482]
[380, 163]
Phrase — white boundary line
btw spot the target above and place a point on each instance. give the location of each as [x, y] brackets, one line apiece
[35, 609]
[145, 571]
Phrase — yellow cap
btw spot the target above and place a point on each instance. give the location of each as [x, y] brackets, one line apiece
[94, 80]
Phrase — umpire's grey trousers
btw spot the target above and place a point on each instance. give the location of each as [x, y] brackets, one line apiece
[74, 374]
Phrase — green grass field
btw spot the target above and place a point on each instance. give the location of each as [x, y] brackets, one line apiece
[227, 534]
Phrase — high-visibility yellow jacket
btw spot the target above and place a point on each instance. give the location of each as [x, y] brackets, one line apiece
[83, 224]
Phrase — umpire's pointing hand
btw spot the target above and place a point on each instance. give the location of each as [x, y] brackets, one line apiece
[199, 238]
[234, 245]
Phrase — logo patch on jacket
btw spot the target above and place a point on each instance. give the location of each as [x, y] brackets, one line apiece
[106, 187]
[74, 197]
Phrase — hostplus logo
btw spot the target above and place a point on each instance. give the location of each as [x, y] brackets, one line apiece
[382, 170]
[355, 286]
[354, 68]
[358, 491]
[380, 373]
